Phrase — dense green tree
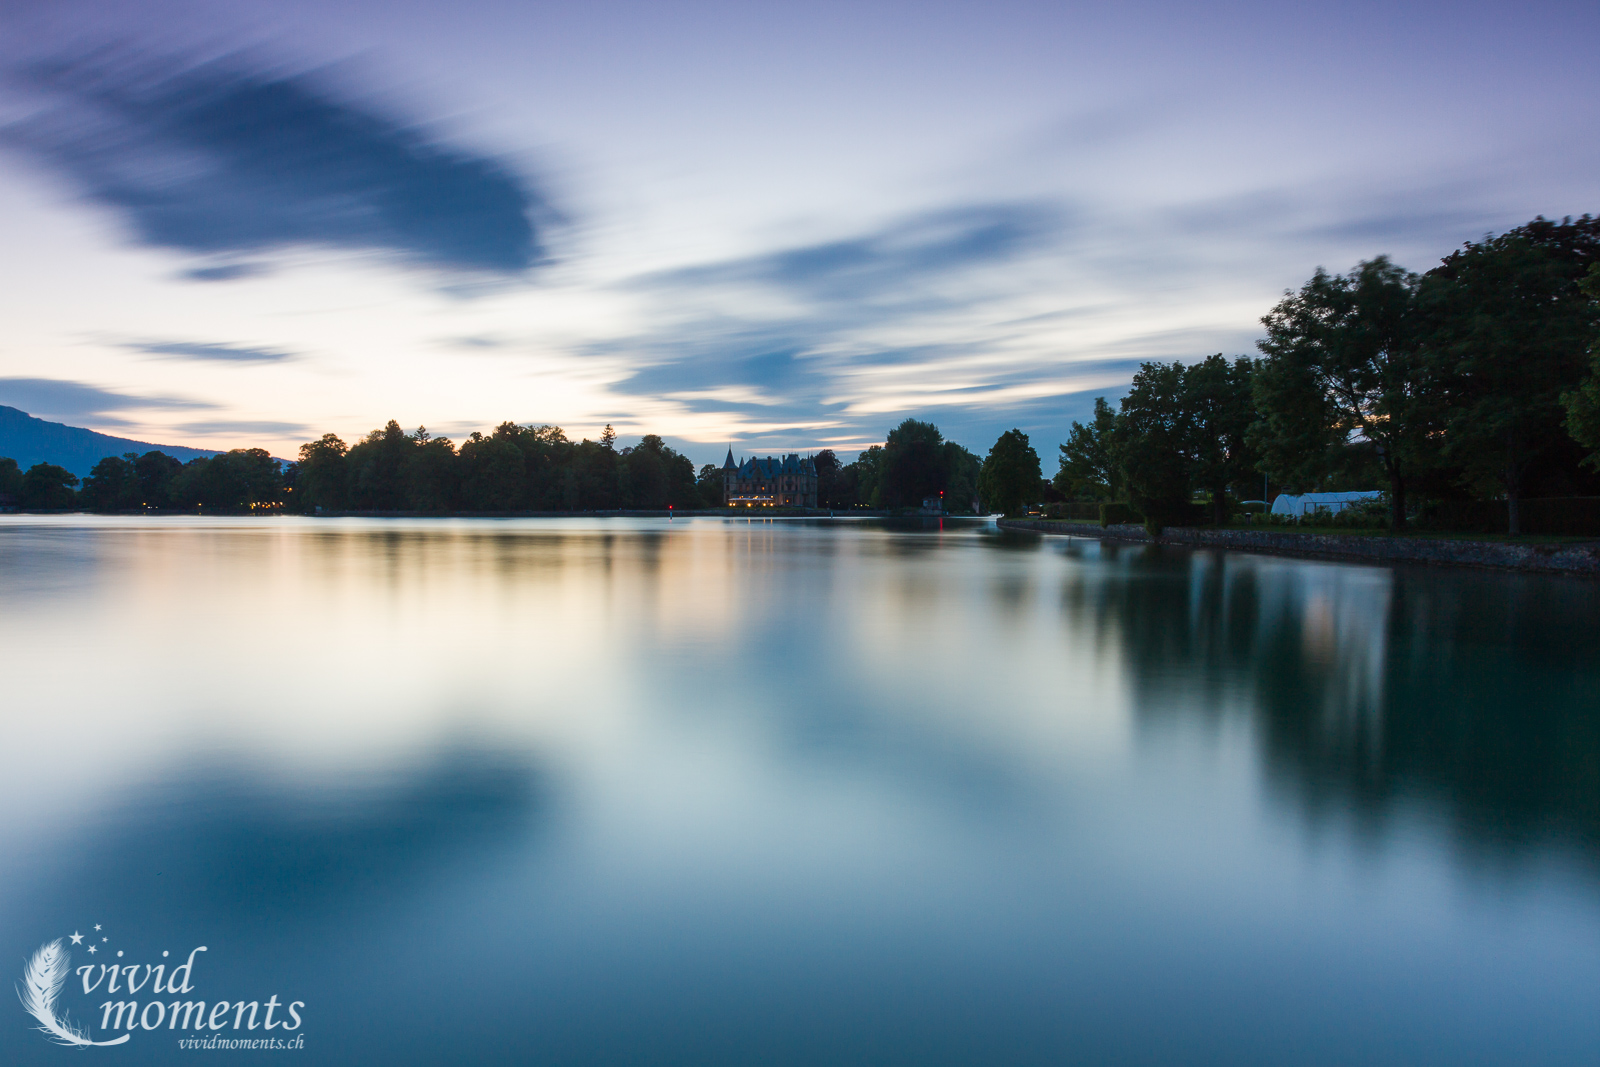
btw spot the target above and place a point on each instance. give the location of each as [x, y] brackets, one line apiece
[709, 483]
[830, 479]
[655, 476]
[112, 485]
[1154, 443]
[429, 473]
[47, 487]
[868, 474]
[155, 471]
[493, 475]
[1010, 476]
[321, 475]
[1088, 464]
[913, 464]
[377, 468]
[1218, 397]
[233, 481]
[1342, 364]
[1507, 333]
[10, 480]
[1583, 403]
[962, 472]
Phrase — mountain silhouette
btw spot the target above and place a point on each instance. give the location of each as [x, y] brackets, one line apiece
[29, 440]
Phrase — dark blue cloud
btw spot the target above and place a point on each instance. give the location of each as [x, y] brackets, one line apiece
[892, 262]
[225, 272]
[211, 352]
[219, 158]
[76, 400]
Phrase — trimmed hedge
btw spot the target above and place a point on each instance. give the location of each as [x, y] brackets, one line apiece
[1118, 514]
[1074, 511]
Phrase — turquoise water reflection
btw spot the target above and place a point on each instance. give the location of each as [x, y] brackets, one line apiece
[710, 792]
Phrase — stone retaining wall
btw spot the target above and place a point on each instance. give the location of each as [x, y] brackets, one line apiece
[1573, 558]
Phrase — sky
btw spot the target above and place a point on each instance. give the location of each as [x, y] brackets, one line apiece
[780, 227]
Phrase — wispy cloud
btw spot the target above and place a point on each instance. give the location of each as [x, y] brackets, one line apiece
[63, 399]
[244, 426]
[892, 262]
[223, 157]
[211, 352]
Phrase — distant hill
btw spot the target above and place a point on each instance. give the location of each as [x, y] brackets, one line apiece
[29, 440]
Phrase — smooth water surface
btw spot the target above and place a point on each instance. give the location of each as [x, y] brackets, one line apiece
[720, 792]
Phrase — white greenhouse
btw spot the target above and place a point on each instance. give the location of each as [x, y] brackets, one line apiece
[1313, 503]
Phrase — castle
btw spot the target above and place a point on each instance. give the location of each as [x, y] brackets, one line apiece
[790, 482]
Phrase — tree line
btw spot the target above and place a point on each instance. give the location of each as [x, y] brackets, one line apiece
[1478, 380]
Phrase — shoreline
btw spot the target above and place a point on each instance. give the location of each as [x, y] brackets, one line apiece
[1574, 559]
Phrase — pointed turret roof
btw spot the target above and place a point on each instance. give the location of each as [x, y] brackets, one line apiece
[729, 465]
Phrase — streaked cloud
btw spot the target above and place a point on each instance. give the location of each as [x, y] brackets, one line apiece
[223, 157]
[244, 426]
[211, 352]
[58, 398]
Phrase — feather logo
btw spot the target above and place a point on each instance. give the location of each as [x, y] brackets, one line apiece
[41, 985]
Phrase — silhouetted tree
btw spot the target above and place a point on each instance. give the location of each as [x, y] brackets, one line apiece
[1217, 395]
[1088, 465]
[10, 480]
[1010, 476]
[913, 464]
[1155, 433]
[1342, 363]
[155, 471]
[112, 485]
[321, 475]
[1508, 331]
[962, 472]
[1583, 403]
[47, 487]
[868, 470]
[377, 469]
[710, 486]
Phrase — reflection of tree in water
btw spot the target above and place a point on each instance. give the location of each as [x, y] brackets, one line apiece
[1477, 690]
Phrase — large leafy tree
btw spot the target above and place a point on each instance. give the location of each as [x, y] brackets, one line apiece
[321, 475]
[113, 485]
[1343, 364]
[1218, 396]
[47, 487]
[377, 466]
[962, 471]
[1583, 403]
[428, 473]
[1154, 443]
[913, 464]
[10, 480]
[1508, 327]
[156, 471]
[1010, 476]
[230, 481]
[1088, 464]
[868, 474]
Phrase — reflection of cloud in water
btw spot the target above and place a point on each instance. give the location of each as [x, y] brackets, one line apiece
[223, 847]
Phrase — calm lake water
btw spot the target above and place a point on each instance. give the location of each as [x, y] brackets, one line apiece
[719, 792]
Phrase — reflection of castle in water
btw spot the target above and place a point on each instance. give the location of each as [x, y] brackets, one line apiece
[764, 483]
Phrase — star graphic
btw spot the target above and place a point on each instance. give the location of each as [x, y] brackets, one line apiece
[93, 950]
[97, 926]
[105, 939]
[76, 937]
